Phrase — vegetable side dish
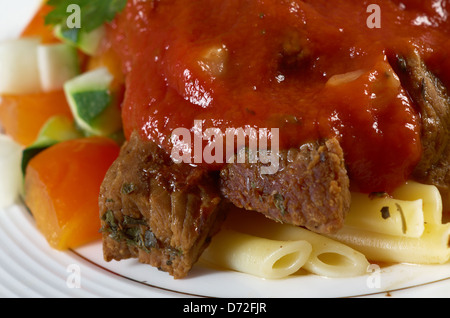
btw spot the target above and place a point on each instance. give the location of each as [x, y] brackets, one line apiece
[355, 114]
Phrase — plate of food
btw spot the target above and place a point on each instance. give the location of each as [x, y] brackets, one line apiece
[237, 149]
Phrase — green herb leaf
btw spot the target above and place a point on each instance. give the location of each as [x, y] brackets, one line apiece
[134, 232]
[279, 203]
[385, 214]
[93, 13]
[128, 220]
[378, 195]
[128, 188]
[110, 219]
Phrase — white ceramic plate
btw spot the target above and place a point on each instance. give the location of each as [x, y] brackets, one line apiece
[30, 268]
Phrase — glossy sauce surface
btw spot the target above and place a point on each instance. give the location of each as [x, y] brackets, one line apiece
[314, 69]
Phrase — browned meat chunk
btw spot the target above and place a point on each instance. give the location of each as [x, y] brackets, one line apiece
[162, 213]
[311, 187]
[433, 102]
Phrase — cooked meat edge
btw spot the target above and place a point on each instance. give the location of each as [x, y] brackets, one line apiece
[310, 189]
[161, 213]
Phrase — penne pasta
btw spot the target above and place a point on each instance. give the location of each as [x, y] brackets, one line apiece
[328, 258]
[271, 259]
[431, 248]
[404, 228]
[425, 240]
[386, 215]
[429, 194]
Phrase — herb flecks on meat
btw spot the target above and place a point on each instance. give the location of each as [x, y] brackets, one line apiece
[161, 213]
[311, 187]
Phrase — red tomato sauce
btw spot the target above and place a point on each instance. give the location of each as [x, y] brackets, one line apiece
[270, 64]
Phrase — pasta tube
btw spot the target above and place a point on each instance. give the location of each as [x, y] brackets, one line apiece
[257, 256]
[431, 248]
[386, 215]
[328, 258]
[429, 194]
[404, 228]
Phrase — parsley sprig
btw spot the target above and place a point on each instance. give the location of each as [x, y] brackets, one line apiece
[93, 13]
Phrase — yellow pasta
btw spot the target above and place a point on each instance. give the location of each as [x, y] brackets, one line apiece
[387, 244]
[430, 195]
[328, 257]
[431, 248]
[403, 228]
[386, 215]
[271, 259]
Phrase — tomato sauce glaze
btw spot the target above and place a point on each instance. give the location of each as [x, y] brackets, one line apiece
[314, 69]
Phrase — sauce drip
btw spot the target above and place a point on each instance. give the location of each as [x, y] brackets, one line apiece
[313, 69]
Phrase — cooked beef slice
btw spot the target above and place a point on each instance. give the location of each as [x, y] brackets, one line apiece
[432, 100]
[310, 188]
[160, 212]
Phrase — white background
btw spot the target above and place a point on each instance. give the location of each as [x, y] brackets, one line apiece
[14, 15]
